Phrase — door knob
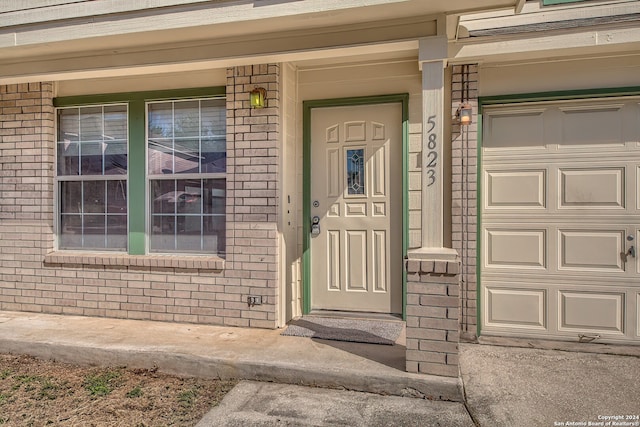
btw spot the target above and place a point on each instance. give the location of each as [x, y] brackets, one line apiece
[631, 251]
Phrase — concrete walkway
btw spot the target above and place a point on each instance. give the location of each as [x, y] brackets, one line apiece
[504, 386]
[252, 404]
[220, 352]
[509, 386]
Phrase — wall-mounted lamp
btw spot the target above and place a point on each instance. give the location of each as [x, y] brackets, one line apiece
[258, 97]
[464, 114]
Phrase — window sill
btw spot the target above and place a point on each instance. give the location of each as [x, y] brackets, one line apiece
[125, 260]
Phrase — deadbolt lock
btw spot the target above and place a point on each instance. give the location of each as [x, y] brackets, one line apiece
[315, 225]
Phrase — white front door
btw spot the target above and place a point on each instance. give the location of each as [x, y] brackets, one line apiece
[356, 195]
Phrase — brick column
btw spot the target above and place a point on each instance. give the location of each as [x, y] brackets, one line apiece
[433, 310]
[464, 200]
[253, 150]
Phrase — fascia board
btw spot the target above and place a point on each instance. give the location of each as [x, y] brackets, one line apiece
[502, 49]
[540, 16]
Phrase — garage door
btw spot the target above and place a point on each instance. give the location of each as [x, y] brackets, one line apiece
[560, 209]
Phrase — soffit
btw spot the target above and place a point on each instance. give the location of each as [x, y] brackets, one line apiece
[113, 24]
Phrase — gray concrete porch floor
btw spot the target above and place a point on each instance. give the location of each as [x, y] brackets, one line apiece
[220, 352]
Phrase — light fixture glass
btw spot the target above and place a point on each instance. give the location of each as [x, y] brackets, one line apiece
[258, 97]
[465, 114]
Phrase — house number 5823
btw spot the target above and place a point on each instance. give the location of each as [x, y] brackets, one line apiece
[432, 154]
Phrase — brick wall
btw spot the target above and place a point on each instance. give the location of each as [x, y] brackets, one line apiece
[26, 190]
[181, 289]
[433, 309]
[464, 192]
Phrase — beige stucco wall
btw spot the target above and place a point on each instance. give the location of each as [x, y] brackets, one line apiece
[206, 78]
[370, 79]
[559, 76]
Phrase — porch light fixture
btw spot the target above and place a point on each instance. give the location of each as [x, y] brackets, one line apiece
[464, 113]
[258, 97]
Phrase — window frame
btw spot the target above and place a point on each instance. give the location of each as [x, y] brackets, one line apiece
[58, 179]
[175, 177]
[138, 215]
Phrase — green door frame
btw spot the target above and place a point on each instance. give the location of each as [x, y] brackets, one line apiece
[517, 98]
[307, 106]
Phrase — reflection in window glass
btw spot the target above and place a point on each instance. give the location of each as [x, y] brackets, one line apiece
[91, 124]
[188, 215]
[186, 119]
[92, 140]
[93, 215]
[187, 137]
[91, 166]
[186, 151]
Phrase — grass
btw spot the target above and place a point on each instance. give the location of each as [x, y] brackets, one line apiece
[187, 398]
[135, 392]
[102, 383]
[42, 393]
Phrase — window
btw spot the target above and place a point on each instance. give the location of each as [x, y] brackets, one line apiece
[92, 177]
[186, 150]
[142, 172]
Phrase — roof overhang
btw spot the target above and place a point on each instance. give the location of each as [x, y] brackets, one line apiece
[112, 37]
[546, 46]
[548, 34]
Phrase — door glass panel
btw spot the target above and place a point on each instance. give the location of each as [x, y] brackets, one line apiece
[355, 171]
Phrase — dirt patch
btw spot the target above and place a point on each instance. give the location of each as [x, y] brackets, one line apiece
[38, 393]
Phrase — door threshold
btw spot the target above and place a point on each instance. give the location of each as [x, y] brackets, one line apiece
[361, 315]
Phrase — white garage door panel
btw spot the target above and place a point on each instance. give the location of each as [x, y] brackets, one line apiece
[594, 312]
[637, 182]
[524, 189]
[561, 197]
[591, 250]
[637, 315]
[515, 248]
[592, 188]
[516, 129]
[600, 124]
[516, 308]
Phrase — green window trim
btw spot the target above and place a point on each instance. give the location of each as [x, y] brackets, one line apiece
[153, 95]
[137, 178]
[137, 242]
